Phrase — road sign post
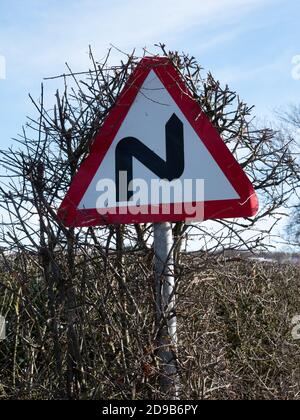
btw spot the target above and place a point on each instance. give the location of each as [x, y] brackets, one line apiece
[166, 322]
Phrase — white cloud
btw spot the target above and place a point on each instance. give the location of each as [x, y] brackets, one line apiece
[278, 67]
[54, 35]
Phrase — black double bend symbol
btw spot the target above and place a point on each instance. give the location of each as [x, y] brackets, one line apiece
[170, 169]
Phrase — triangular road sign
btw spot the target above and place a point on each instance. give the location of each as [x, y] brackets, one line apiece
[157, 158]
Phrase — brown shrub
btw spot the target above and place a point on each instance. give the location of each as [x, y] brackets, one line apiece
[234, 321]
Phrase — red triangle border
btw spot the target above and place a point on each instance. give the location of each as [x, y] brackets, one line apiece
[246, 206]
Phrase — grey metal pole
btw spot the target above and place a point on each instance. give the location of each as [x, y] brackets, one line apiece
[165, 308]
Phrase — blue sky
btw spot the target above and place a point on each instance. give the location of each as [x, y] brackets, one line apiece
[248, 44]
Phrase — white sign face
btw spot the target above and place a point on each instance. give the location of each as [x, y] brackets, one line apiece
[146, 120]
